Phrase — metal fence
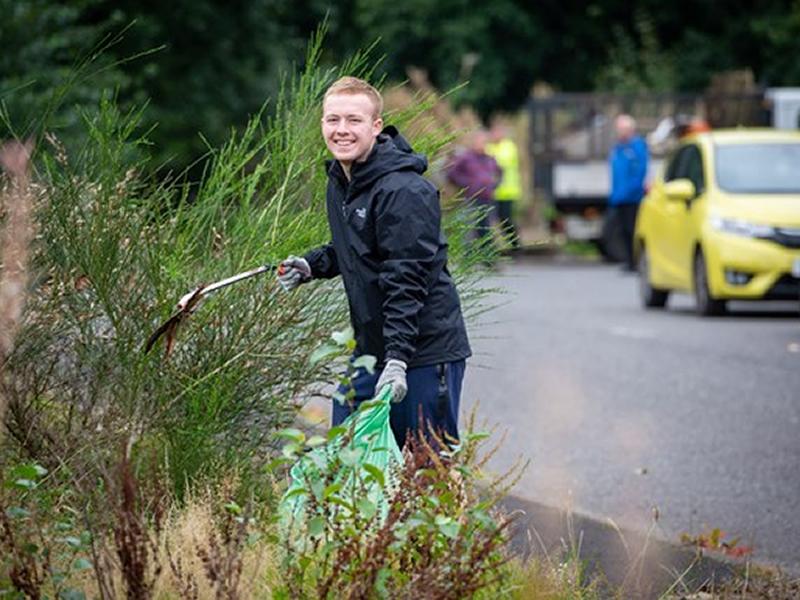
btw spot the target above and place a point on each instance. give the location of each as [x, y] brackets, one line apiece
[580, 126]
[571, 135]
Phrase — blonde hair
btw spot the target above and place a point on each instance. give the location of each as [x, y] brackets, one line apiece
[354, 85]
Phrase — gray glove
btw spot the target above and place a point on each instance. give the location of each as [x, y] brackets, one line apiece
[394, 374]
[293, 271]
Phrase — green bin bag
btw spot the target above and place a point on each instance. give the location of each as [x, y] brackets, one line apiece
[355, 470]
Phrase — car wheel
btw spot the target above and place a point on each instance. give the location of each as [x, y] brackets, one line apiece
[705, 304]
[651, 297]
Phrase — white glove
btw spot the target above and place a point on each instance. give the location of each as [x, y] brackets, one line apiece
[293, 271]
[394, 374]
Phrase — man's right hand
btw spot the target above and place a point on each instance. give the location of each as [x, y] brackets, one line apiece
[293, 271]
[394, 375]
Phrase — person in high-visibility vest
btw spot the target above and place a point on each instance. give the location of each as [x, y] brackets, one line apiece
[503, 149]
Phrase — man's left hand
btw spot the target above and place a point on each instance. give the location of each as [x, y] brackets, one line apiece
[394, 374]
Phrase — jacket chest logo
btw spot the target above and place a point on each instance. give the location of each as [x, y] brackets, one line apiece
[361, 213]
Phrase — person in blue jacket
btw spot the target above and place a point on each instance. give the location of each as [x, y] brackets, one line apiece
[628, 161]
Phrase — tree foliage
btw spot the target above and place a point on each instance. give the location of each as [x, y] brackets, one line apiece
[457, 41]
[41, 68]
[637, 63]
[204, 67]
[217, 62]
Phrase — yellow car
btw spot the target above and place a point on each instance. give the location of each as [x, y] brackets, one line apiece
[722, 220]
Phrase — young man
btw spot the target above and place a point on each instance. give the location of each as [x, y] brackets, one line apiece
[387, 244]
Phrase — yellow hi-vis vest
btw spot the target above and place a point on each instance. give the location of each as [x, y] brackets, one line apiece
[507, 157]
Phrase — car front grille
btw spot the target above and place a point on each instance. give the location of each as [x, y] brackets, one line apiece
[786, 288]
[786, 236]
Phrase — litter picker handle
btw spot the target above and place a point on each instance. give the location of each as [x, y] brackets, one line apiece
[212, 287]
[202, 291]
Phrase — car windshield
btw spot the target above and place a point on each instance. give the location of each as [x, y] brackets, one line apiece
[758, 168]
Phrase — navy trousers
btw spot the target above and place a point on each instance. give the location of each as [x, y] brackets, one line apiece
[434, 393]
[627, 219]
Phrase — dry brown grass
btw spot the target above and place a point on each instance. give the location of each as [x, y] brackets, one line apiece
[194, 531]
[189, 533]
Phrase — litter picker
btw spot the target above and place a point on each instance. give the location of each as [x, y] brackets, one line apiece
[189, 303]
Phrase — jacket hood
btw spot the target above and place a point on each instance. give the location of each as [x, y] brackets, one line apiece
[391, 152]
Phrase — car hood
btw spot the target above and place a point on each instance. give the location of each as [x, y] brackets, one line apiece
[781, 210]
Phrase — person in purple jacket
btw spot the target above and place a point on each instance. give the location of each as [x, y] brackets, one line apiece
[478, 175]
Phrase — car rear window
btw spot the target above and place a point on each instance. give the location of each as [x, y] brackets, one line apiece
[758, 168]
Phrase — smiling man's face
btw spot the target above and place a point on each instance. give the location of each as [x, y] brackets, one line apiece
[350, 126]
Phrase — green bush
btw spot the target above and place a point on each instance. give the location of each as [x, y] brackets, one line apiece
[45, 547]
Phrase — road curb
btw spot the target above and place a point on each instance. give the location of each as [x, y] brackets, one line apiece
[640, 565]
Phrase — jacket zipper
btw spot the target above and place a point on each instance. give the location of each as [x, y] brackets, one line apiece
[345, 198]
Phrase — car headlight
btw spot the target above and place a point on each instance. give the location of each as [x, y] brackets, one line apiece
[743, 228]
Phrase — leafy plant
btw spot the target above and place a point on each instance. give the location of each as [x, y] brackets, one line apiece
[44, 545]
[715, 540]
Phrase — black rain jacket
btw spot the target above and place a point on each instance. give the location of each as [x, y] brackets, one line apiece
[388, 246]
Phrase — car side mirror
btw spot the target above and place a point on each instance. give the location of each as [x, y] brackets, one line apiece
[679, 190]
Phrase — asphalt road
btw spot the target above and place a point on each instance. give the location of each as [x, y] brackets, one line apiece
[622, 410]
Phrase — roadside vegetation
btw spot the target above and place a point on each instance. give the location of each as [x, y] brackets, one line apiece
[146, 476]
